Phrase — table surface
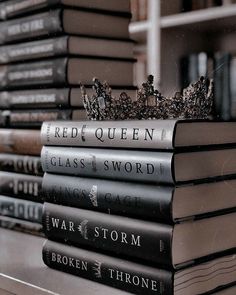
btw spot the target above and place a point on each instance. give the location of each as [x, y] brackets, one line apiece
[22, 271]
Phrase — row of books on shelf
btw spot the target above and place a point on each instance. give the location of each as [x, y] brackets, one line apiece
[220, 66]
[153, 193]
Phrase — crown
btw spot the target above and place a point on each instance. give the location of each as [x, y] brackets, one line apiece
[97, 268]
[194, 102]
[82, 228]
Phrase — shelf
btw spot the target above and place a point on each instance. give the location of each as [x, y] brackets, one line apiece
[211, 18]
[22, 271]
[209, 15]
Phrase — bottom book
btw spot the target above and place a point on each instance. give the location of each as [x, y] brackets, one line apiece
[21, 225]
[137, 278]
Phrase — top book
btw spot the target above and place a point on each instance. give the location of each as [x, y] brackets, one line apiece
[15, 8]
[139, 134]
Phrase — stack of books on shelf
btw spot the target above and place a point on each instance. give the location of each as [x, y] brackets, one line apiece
[144, 206]
[47, 49]
[20, 180]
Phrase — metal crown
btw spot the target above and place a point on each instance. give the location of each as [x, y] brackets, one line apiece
[195, 102]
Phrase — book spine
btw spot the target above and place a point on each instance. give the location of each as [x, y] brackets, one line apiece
[155, 167]
[21, 225]
[18, 141]
[13, 8]
[51, 72]
[121, 274]
[226, 98]
[42, 24]
[121, 235]
[20, 164]
[123, 134]
[142, 201]
[25, 186]
[33, 50]
[21, 209]
[33, 118]
[40, 98]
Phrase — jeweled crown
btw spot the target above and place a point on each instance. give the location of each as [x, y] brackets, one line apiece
[194, 102]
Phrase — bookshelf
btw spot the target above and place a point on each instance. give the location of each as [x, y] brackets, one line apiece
[168, 34]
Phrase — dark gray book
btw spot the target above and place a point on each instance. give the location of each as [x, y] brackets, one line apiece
[20, 164]
[175, 245]
[35, 118]
[150, 202]
[21, 186]
[68, 21]
[66, 45]
[15, 8]
[138, 278]
[140, 134]
[21, 209]
[66, 71]
[51, 98]
[145, 166]
[21, 225]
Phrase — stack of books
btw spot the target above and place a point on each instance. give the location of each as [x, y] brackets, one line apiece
[144, 206]
[47, 49]
[20, 180]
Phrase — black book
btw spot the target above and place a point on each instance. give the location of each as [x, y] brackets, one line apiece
[139, 134]
[21, 225]
[15, 8]
[35, 118]
[66, 71]
[67, 45]
[21, 209]
[65, 21]
[138, 278]
[20, 164]
[151, 202]
[145, 166]
[175, 245]
[222, 91]
[21, 186]
[51, 98]
[194, 66]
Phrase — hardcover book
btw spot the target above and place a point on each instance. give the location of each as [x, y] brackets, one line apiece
[14, 8]
[21, 225]
[67, 21]
[175, 245]
[20, 141]
[140, 134]
[50, 98]
[21, 186]
[151, 202]
[67, 45]
[35, 118]
[21, 209]
[66, 71]
[138, 278]
[21, 164]
[145, 166]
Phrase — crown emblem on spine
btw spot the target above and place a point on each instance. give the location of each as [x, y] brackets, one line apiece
[82, 228]
[93, 196]
[97, 268]
[194, 102]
